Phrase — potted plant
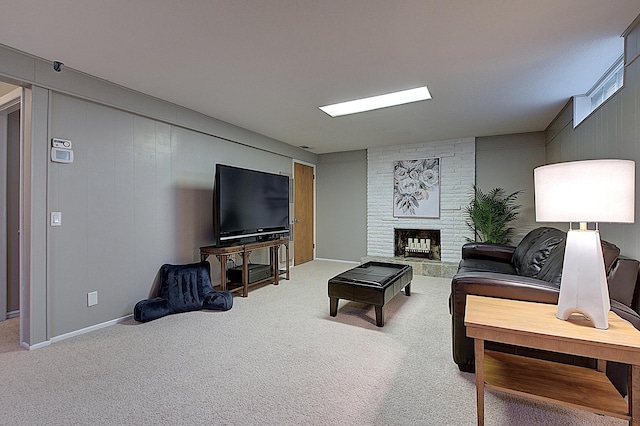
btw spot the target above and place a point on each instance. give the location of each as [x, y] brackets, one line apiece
[489, 215]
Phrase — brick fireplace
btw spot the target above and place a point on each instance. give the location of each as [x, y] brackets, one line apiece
[457, 175]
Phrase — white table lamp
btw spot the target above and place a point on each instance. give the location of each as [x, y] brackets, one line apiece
[585, 191]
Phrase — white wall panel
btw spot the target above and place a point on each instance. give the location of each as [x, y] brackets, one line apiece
[342, 206]
[70, 250]
[507, 161]
[612, 131]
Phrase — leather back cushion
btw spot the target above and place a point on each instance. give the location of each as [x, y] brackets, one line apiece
[534, 250]
[485, 265]
[551, 271]
[541, 255]
[610, 252]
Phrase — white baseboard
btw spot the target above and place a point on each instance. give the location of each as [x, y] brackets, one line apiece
[74, 333]
[88, 329]
[13, 314]
[36, 346]
[337, 260]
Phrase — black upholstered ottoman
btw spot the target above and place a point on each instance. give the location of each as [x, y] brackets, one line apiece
[374, 283]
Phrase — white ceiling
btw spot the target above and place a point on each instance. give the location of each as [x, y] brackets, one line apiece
[6, 88]
[492, 66]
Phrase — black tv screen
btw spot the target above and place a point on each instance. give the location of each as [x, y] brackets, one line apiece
[249, 205]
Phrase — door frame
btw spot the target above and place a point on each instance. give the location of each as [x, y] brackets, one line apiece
[293, 168]
[9, 103]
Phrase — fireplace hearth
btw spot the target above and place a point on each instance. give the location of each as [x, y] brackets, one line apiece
[422, 243]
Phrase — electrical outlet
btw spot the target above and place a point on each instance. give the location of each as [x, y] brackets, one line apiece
[92, 298]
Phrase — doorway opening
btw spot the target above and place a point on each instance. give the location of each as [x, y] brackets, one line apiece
[11, 131]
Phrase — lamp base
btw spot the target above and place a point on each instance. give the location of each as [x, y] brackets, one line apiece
[583, 288]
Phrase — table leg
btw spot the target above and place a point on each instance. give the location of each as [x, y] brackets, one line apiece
[601, 365]
[407, 289]
[223, 271]
[276, 267]
[245, 273]
[333, 306]
[380, 316]
[287, 267]
[479, 354]
[634, 394]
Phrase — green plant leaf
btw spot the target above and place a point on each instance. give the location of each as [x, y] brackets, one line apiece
[489, 215]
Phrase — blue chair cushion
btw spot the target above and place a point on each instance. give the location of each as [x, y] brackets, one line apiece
[183, 288]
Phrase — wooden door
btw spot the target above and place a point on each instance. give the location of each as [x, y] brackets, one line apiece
[303, 213]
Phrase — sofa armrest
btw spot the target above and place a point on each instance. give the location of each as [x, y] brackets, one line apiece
[622, 280]
[617, 372]
[626, 313]
[489, 284]
[497, 252]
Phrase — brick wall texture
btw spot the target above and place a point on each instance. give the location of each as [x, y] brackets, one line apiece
[457, 175]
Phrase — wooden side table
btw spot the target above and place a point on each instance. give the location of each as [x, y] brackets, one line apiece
[535, 325]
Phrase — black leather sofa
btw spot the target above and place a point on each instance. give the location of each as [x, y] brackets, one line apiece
[532, 272]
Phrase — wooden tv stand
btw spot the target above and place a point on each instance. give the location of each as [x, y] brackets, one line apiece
[223, 252]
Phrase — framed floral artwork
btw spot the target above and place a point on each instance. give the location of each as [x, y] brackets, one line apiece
[416, 188]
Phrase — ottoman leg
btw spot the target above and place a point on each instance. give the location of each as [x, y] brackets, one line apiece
[379, 316]
[407, 289]
[333, 306]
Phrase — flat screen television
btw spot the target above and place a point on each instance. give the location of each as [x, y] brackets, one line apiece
[249, 205]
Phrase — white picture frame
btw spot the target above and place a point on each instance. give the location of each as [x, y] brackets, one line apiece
[416, 188]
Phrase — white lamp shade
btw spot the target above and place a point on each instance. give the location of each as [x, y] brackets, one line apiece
[585, 191]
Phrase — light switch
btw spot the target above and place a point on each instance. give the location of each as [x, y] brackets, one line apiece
[56, 218]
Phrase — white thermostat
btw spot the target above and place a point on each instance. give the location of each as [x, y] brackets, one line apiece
[61, 151]
[60, 143]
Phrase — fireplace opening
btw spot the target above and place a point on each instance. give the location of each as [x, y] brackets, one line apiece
[424, 243]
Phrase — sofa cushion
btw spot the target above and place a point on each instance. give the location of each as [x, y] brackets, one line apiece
[534, 250]
[485, 265]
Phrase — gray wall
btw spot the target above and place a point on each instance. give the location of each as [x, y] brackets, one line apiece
[138, 194]
[507, 161]
[341, 195]
[612, 131]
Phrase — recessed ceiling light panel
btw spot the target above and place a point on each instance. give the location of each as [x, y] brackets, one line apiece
[377, 102]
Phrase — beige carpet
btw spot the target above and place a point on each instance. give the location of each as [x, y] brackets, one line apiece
[276, 358]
